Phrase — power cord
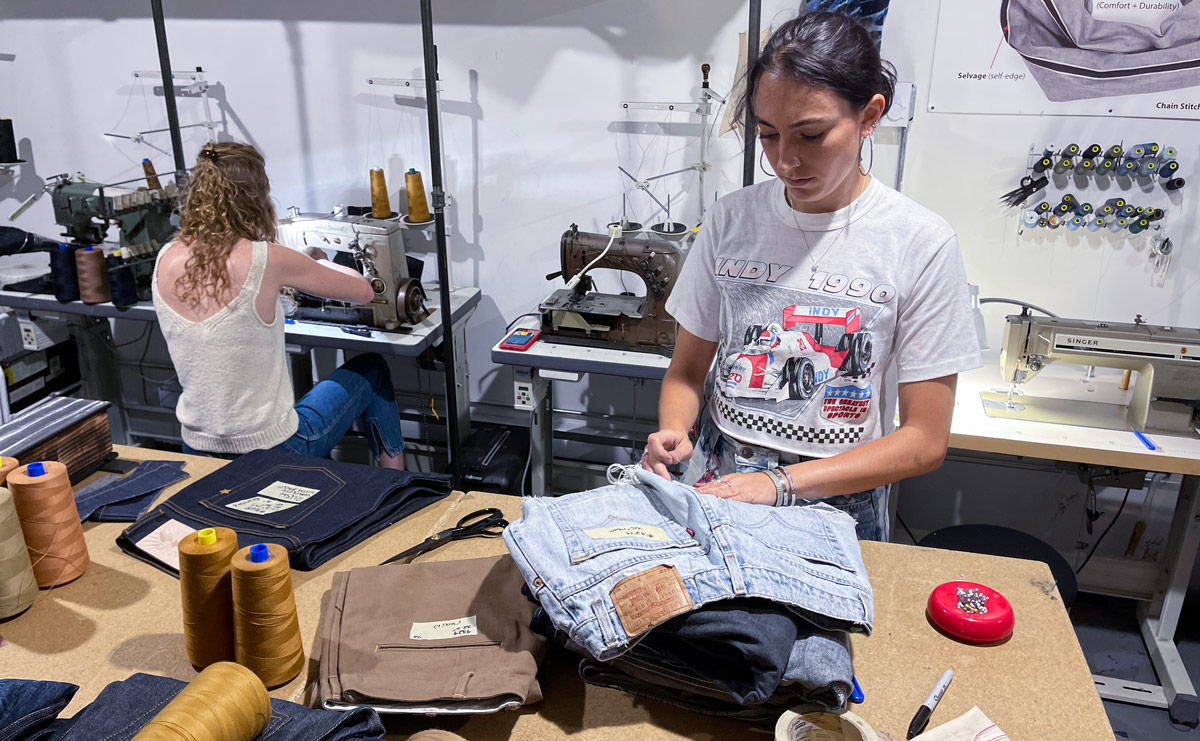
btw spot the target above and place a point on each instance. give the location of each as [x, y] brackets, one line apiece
[900, 520]
[1096, 545]
[614, 231]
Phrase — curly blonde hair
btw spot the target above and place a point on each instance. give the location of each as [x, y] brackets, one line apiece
[228, 199]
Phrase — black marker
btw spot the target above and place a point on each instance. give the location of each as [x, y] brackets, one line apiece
[921, 719]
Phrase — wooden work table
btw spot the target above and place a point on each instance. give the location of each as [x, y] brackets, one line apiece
[123, 616]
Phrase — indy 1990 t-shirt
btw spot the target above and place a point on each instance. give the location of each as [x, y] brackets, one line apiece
[818, 316]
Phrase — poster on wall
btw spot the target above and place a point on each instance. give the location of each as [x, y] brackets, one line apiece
[1136, 58]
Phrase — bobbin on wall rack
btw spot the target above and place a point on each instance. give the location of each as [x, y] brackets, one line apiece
[414, 88]
[1112, 192]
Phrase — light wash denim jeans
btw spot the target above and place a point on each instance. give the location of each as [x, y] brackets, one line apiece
[716, 454]
[360, 389]
[573, 552]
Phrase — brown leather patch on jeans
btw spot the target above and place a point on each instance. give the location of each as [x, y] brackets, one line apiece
[650, 597]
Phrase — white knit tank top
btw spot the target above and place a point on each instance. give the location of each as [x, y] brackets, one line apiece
[237, 390]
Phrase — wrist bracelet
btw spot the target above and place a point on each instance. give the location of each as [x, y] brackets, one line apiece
[791, 485]
[780, 487]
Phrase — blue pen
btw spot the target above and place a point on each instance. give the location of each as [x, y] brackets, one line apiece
[1145, 440]
[857, 694]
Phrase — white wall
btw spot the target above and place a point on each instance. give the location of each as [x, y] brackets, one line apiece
[533, 134]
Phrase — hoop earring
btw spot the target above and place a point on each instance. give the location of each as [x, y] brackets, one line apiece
[769, 174]
[870, 140]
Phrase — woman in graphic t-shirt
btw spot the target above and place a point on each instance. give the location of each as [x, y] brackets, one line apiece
[825, 297]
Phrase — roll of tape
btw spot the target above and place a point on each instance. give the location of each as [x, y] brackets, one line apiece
[822, 726]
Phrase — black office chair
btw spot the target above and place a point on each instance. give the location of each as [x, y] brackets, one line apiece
[994, 540]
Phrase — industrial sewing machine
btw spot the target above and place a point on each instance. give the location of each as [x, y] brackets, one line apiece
[579, 315]
[86, 210]
[1166, 392]
[375, 247]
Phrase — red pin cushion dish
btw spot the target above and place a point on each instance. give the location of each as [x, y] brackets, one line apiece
[971, 612]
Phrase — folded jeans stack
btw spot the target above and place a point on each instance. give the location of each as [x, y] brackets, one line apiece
[314, 507]
[29, 711]
[448, 637]
[721, 607]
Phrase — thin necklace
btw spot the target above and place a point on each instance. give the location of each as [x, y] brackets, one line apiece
[849, 217]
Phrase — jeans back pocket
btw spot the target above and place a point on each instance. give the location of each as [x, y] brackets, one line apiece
[280, 497]
[615, 518]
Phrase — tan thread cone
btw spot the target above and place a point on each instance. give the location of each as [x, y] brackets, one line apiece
[50, 522]
[266, 630]
[418, 206]
[206, 588]
[18, 587]
[225, 702]
[94, 287]
[381, 207]
[7, 466]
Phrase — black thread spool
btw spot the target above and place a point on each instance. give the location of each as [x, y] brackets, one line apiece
[121, 282]
[8, 142]
[64, 275]
[1175, 184]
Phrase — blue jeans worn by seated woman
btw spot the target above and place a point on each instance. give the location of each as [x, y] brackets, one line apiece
[716, 454]
[360, 389]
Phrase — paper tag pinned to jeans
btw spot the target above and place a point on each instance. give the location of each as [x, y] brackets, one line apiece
[443, 629]
[649, 597]
[162, 543]
[260, 505]
[647, 532]
[288, 492]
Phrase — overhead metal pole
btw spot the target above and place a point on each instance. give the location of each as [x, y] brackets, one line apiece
[438, 197]
[749, 131]
[164, 65]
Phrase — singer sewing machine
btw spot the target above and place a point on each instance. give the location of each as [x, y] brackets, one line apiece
[375, 247]
[1166, 360]
[86, 210]
[579, 315]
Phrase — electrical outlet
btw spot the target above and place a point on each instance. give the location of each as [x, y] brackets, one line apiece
[523, 395]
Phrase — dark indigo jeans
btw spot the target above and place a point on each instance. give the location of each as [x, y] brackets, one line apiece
[124, 499]
[314, 507]
[122, 708]
[742, 645]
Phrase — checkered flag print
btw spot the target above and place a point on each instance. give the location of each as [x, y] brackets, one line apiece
[778, 428]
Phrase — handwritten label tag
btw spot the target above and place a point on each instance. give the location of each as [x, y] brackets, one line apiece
[443, 629]
[162, 543]
[646, 532]
[288, 492]
[260, 505]
[649, 597]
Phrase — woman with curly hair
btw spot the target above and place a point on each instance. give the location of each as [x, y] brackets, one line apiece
[216, 290]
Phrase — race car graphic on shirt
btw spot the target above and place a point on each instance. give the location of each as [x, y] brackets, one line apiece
[810, 347]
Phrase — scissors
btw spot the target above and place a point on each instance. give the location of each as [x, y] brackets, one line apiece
[486, 523]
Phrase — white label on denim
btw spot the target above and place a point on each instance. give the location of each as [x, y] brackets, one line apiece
[1138, 12]
[288, 492]
[444, 629]
[647, 532]
[259, 505]
[162, 543]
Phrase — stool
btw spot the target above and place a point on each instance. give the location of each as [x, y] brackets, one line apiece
[994, 540]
